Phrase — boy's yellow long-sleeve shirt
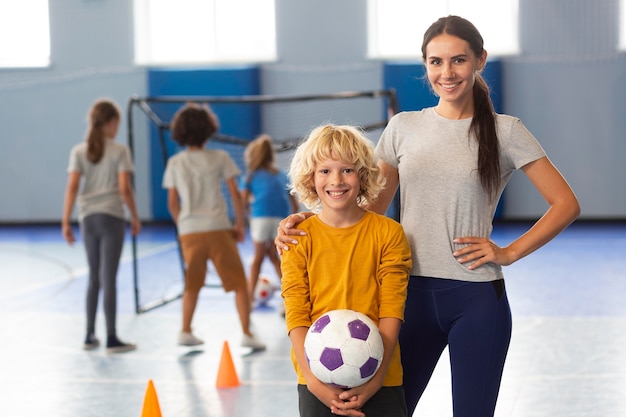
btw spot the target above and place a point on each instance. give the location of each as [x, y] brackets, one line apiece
[364, 267]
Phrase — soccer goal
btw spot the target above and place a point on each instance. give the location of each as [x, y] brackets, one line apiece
[158, 270]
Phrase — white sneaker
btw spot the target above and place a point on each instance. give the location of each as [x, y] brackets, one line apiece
[252, 342]
[188, 339]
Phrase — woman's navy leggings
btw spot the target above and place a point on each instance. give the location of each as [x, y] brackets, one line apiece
[474, 320]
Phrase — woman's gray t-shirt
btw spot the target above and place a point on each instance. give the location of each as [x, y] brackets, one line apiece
[441, 196]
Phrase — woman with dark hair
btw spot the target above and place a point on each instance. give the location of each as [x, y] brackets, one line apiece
[451, 163]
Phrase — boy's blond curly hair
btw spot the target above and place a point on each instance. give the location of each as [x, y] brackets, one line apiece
[343, 143]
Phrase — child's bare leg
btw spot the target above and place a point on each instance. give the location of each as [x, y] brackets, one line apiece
[243, 308]
[242, 303]
[190, 300]
[255, 267]
[272, 254]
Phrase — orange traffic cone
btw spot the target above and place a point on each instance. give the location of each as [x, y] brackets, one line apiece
[151, 406]
[226, 374]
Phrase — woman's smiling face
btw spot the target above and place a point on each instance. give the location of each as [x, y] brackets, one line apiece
[451, 67]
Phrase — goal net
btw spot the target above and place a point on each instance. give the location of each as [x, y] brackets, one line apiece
[158, 269]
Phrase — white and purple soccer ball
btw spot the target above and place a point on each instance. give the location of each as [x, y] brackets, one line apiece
[344, 348]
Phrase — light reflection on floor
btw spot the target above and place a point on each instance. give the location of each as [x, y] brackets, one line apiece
[567, 356]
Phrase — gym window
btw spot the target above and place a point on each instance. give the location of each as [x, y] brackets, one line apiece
[396, 27]
[24, 34]
[196, 32]
[621, 46]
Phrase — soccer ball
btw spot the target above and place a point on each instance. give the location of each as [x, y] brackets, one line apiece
[264, 289]
[343, 348]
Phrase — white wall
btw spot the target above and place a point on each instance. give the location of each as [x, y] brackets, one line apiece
[322, 47]
[43, 111]
[567, 87]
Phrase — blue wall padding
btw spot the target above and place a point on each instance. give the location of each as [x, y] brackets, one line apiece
[240, 120]
[414, 93]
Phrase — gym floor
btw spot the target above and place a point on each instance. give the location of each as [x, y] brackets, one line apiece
[567, 355]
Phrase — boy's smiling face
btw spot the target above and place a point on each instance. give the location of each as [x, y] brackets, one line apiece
[337, 184]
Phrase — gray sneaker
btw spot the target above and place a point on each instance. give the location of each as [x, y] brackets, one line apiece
[91, 342]
[115, 345]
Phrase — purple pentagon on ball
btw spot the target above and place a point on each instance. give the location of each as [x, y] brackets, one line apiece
[331, 358]
[320, 323]
[369, 368]
[358, 329]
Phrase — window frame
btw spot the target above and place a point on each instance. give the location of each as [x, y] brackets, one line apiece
[621, 38]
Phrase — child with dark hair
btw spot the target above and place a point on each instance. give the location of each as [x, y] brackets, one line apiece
[193, 179]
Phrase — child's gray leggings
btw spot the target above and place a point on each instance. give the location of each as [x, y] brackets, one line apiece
[103, 236]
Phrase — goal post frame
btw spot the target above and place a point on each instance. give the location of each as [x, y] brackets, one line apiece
[143, 104]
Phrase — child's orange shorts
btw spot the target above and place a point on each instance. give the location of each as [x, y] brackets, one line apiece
[220, 247]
